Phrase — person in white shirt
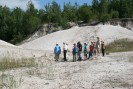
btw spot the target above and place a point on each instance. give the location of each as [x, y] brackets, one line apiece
[65, 48]
[98, 45]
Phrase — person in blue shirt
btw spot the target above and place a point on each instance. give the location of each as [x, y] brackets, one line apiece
[57, 52]
[74, 52]
[85, 51]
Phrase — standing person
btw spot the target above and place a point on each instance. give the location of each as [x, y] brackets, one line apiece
[79, 45]
[67, 51]
[94, 51]
[91, 48]
[98, 46]
[85, 51]
[74, 52]
[102, 48]
[65, 48]
[57, 52]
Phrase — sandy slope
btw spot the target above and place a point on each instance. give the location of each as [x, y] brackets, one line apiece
[108, 33]
[87, 34]
[3, 43]
[8, 50]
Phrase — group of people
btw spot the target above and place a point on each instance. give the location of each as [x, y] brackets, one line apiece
[89, 51]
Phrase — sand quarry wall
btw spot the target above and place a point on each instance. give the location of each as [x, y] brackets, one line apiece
[126, 22]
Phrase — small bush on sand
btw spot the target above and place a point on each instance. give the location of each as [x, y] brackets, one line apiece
[121, 45]
[9, 63]
[131, 59]
[8, 81]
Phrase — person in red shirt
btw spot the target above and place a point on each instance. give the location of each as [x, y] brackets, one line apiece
[91, 49]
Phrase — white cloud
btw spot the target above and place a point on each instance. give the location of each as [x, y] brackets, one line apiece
[19, 3]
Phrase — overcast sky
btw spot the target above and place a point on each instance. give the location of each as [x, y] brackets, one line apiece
[38, 3]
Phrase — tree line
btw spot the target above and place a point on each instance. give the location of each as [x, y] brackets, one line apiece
[16, 24]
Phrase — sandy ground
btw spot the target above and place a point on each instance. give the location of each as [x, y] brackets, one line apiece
[113, 71]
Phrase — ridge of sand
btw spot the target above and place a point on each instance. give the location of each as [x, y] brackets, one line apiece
[108, 33]
[3, 43]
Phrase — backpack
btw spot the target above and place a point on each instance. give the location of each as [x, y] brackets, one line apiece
[85, 49]
[57, 50]
[75, 50]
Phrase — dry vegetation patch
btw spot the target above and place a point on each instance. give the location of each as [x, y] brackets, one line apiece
[121, 45]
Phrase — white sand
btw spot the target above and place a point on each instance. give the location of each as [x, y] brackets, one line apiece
[108, 33]
[86, 34]
[3, 43]
[110, 72]
[102, 73]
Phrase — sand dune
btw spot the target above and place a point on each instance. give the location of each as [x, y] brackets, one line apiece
[107, 33]
[112, 71]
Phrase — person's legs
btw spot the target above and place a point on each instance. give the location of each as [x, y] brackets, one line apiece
[98, 51]
[85, 56]
[79, 55]
[94, 53]
[56, 57]
[65, 55]
[103, 51]
[90, 54]
[74, 57]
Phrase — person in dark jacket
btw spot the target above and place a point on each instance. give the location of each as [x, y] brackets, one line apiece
[103, 48]
[79, 45]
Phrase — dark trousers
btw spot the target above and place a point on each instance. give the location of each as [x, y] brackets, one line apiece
[103, 52]
[90, 54]
[65, 52]
[79, 56]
